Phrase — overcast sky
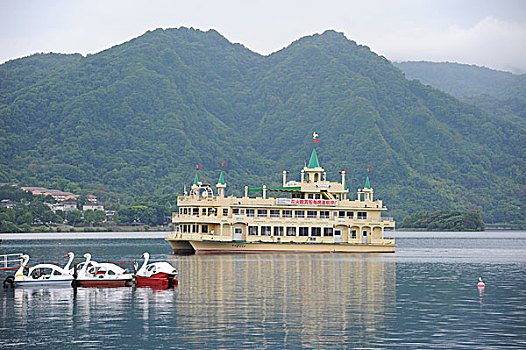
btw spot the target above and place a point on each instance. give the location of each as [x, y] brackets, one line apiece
[483, 32]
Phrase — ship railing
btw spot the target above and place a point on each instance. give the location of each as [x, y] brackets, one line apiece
[10, 261]
[198, 236]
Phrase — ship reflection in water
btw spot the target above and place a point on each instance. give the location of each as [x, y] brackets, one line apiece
[274, 300]
[246, 301]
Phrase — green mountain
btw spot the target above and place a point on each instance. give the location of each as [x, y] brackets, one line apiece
[500, 93]
[136, 118]
[463, 80]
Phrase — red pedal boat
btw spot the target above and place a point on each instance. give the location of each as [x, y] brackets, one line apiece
[158, 274]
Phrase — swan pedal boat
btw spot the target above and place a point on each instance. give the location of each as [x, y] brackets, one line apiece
[95, 274]
[43, 274]
[157, 274]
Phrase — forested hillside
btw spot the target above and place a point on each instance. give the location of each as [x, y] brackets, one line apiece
[135, 119]
[500, 93]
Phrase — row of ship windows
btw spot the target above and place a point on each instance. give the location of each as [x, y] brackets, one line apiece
[290, 231]
[271, 230]
[276, 213]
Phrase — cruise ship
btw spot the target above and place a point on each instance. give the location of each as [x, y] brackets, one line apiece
[312, 215]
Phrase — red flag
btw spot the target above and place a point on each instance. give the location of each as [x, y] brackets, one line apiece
[197, 166]
[224, 164]
[317, 140]
[369, 169]
[345, 170]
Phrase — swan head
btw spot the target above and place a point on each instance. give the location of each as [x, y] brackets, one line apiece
[87, 256]
[68, 255]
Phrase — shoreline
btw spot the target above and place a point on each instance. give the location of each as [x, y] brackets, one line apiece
[84, 235]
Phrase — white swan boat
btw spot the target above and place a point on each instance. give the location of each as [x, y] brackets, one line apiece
[157, 274]
[43, 274]
[95, 274]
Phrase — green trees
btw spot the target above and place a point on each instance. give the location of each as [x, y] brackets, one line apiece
[444, 220]
[26, 210]
[94, 216]
[73, 217]
[142, 214]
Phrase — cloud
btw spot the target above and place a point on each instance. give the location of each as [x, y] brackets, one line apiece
[491, 42]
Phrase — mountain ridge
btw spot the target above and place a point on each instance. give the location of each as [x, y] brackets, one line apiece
[135, 118]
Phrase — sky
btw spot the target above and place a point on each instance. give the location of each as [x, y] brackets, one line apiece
[490, 33]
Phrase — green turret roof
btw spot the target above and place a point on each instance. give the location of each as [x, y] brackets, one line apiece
[196, 180]
[313, 163]
[221, 180]
[367, 184]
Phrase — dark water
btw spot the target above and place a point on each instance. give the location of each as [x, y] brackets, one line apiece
[424, 296]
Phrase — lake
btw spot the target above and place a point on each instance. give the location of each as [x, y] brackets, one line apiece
[423, 296]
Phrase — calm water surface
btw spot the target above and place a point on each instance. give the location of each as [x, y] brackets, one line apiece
[423, 296]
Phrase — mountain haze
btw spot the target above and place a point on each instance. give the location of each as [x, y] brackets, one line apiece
[500, 93]
[136, 118]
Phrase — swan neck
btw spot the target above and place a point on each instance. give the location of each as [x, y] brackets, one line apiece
[143, 267]
[24, 264]
[70, 261]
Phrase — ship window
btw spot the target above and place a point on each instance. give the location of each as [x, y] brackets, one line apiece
[185, 211]
[353, 234]
[278, 230]
[312, 214]
[204, 228]
[195, 228]
[242, 211]
[235, 211]
[250, 212]
[317, 196]
[262, 213]
[291, 231]
[211, 211]
[274, 213]
[203, 212]
[315, 231]
[287, 213]
[362, 215]
[252, 230]
[350, 214]
[225, 212]
[310, 196]
[324, 214]
[299, 213]
[341, 214]
[304, 231]
[327, 231]
[265, 230]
